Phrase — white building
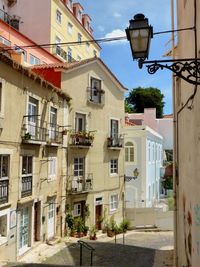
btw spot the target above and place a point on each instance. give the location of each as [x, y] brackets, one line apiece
[143, 157]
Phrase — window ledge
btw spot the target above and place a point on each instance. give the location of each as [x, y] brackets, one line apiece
[5, 205]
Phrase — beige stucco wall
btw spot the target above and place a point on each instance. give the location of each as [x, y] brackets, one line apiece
[98, 157]
[16, 90]
[187, 182]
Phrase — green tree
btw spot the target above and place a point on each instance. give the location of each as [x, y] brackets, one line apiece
[140, 98]
[128, 107]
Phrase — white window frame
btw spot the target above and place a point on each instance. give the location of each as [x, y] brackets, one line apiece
[131, 145]
[33, 60]
[69, 28]
[2, 97]
[70, 4]
[52, 168]
[87, 47]
[79, 15]
[114, 166]
[77, 209]
[58, 16]
[69, 54]
[79, 37]
[80, 116]
[114, 202]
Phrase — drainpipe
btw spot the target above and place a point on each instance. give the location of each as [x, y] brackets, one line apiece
[174, 144]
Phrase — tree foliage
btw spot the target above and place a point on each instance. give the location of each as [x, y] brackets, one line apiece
[140, 98]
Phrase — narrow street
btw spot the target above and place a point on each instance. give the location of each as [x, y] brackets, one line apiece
[141, 249]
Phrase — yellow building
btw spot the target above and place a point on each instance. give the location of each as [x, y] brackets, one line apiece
[57, 22]
[33, 114]
[95, 172]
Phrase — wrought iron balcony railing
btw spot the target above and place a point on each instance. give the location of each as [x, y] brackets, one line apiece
[80, 184]
[95, 96]
[54, 135]
[82, 138]
[60, 52]
[115, 141]
[4, 191]
[11, 20]
[33, 129]
[26, 186]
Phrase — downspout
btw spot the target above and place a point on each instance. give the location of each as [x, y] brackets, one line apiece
[174, 142]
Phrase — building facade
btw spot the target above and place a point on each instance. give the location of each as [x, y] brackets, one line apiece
[32, 159]
[56, 22]
[187, 146]
[143, 160]
[95, 161]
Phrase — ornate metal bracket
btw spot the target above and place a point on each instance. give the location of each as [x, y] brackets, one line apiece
[187, 69]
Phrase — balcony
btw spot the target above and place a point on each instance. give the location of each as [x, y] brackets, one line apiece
[95, 96]
[34, 131]
[81, 139]
[3, 191]
[54, 135]
[57, 50]
[81, 184]
[26, 186]
[115, 142]
[11, 20]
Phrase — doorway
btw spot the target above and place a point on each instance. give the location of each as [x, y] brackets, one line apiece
[98, 216]
[37, 211]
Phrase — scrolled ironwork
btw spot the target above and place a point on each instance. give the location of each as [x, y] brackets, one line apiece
[189, 70]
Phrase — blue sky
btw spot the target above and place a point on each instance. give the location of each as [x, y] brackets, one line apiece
[110, 18]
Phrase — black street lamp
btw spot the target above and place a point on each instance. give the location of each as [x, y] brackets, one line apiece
[139, 34]
[134, 177]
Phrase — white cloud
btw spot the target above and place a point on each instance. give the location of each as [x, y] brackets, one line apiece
[115, 34]
[117, 15]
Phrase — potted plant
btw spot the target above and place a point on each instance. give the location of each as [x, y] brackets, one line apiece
[27, 136]
[93, 233]
[85, 230]
[124, 225]
[79, 226]
[112, 227]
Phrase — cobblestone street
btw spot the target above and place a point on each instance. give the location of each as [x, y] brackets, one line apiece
[141, 249]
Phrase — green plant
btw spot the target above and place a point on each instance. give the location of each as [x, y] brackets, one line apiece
[70, 221]
[168, 182]
[86, 211]
[79, 224]
[27, 136]
[124, 225]
[93, 232]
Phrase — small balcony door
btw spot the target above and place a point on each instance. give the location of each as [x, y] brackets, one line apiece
[24, 230]
[51, 220]
[53, 123]
[32, 117]
[95, 93]
[79, 171]
[114, 131]
[80, 122]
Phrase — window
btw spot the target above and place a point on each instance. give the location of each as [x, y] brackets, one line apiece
[27, 165]
[77, 210]
[80, 122]
[79, 15]
[27, 175]
[69, 28]
[88, 47]
[52, 168]
[95, 53]
[4, 178]
[70, 4]
[149, 151]
[58, 16]
[114, 166]
[95, 91]
[113, 202]
[69, 54]
[129, 152]
[32, 117]
[5, 41]
[34, 60]
[79, 38]
[79, 166]
[53, 123]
